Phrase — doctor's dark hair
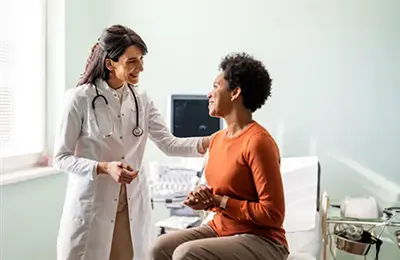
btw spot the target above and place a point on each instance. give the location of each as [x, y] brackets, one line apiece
[112, 44]
[250, 75]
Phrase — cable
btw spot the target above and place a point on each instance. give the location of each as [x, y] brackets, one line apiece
[330, 246]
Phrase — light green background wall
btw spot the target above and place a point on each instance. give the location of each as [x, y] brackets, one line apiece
[29, 217]
[336, 88]
[30, 213]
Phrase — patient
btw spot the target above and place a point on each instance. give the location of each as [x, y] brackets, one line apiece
[243, 173]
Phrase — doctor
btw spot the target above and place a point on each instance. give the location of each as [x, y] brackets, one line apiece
[100, 143]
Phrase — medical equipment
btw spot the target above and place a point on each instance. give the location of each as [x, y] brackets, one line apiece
[173, 183]
[359, 207]
[350, 232]
[170, 185]
[354, 239]
[189, 116]
[137, 130]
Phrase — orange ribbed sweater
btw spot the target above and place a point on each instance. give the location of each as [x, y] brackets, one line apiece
[246, 168]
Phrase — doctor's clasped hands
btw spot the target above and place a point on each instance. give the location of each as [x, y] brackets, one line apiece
[119, 171]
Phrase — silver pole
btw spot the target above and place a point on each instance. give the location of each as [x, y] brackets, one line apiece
[360, 222]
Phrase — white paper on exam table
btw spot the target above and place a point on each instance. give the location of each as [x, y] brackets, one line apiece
[300, 181]
[302, 221]
[304, 245]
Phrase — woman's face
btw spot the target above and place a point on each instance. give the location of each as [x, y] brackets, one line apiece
[220, 99]
[128, 66]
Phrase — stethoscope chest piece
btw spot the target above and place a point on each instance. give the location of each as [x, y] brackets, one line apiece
[137, 131]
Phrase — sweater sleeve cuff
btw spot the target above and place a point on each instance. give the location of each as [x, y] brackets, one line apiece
[233, 207]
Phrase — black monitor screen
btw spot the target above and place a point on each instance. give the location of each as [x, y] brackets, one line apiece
[190, 118]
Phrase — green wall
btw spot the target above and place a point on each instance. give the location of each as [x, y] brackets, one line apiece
[30, 213]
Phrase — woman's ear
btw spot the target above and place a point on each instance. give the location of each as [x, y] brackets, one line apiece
[235, 93]
[109, 64]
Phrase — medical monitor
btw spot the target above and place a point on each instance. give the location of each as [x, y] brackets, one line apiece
[189, 116]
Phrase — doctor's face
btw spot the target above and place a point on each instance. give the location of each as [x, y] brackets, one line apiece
[128, 66]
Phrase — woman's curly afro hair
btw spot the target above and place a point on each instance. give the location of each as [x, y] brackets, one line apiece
[250, 75]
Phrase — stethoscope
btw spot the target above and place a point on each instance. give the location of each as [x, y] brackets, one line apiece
[137, 130]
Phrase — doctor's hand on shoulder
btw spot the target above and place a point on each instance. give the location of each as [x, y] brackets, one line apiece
[119, 171]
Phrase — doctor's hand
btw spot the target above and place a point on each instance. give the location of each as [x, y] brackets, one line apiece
[121, 173]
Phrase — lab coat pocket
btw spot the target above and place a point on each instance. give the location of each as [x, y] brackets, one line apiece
[73, 234]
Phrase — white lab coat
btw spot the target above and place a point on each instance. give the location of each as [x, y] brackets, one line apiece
[87, 221]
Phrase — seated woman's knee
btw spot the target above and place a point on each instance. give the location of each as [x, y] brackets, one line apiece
[160, 249]
[186, 251]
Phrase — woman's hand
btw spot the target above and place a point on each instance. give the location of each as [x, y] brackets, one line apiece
[215, 202]
[202, 193]
[195, 205]
[200, 198]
